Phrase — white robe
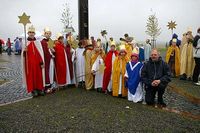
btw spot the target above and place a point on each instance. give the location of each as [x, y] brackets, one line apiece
[98, 76]
[110, 83]
[80, 64]
[138, 96]
[147, 51]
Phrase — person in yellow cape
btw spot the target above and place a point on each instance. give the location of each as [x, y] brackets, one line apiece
[173, 58]
[127, 42]
[187, 60]
[88, 65]
[119, 69]
[98, 57]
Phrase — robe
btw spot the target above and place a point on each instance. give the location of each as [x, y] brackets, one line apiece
[147, 51]
[62, 75]
[49, 63]
[109, 60]
[134, 84]
[177, 58]
[79, 63]
[70, 63]
[129, 49]
[187, 60]
[32, 60]
[88, 67]
[98, 82]
[141, 54]
[119, 69]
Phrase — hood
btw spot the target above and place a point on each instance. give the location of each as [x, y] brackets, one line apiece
[175, 36]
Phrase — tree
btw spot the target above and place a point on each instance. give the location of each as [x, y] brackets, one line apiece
[66, 16]
[153, 30]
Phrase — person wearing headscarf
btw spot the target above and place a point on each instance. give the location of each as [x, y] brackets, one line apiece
[133, 79]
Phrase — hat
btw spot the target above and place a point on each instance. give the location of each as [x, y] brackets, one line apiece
[189, 29]
[174, 40]
[58, 35]
[122, 48]
[31, 29]
[47, 29]
[112, 43]
[135, 54]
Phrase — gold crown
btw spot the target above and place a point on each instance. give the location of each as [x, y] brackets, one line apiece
[31, 29]
[58, 35]
[47, 29]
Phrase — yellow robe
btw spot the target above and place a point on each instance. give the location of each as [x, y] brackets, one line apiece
[88, 69]
[177, 58]
[116, 75]
[129, 49]
[96, 54]
[187, 60]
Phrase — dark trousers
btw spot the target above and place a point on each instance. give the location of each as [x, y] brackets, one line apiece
[196, 70]
[151, 93]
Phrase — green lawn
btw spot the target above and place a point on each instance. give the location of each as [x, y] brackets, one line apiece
[77, 110]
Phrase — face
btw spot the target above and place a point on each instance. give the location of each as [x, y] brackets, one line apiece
[147, 41]
[61, 39]
[123, 54]
[154, 55]
[97, 48]
[133, 58]
[47, 35]
[31, 34]
[112, 48]
[173, 44]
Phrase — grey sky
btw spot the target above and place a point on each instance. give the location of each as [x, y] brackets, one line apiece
[116, 16]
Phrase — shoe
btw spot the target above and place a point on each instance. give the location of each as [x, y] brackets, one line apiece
[41, 93]
[34, 93]
[197, 83]
[162, 104]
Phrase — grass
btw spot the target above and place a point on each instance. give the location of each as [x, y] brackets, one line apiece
[77, 110]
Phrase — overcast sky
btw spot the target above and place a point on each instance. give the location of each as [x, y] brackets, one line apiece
[116, 16]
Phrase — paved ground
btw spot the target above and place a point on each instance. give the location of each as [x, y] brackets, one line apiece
[12, 91]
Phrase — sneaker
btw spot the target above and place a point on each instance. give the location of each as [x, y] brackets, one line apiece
[197, 83]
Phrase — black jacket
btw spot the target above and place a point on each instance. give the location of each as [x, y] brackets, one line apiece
[158, 70]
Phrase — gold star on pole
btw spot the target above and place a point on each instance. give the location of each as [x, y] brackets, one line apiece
[24, 19]
[172, 25]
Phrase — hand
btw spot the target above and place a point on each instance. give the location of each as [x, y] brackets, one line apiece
[25, 49]
[155, 83]
[125, 78]
[42, 66]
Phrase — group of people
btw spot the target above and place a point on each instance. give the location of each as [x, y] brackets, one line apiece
[50, 64]
[183, 57]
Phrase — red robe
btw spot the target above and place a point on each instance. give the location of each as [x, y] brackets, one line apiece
[60, 63]
[69, 58]
[47, 59]
[108, 69]
[33, 70]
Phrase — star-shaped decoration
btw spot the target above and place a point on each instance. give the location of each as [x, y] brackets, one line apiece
[101, 68]
[172, 25]
[24, 19]
[50, 43]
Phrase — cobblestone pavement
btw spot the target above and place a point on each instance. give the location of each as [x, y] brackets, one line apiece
[11, 91]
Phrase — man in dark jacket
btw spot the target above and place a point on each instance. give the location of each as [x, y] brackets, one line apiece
[155, 75]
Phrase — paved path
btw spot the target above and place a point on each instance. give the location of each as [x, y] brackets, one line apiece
[11, 91]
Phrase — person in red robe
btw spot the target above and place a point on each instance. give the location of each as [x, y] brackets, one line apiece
[110, 57]
[33, 65]
[61, 63]
[68, 49]
[48, 58]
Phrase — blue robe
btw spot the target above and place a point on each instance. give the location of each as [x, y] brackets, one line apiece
[141, 54]
[133, 76]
